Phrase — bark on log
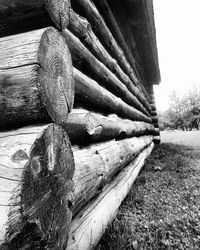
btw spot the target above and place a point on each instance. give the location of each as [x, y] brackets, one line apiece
[91, 95]
[36, 78]
[36, 188]
[84, 127]
[81, 28]
[84, 60]
[24, 15]
[88, 9]
[88, 226]
[96, 165]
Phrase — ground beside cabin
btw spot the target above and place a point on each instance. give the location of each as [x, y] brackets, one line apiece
[163, 209]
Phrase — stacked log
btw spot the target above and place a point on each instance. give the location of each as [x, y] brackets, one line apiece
[36, 78]
[79, 118]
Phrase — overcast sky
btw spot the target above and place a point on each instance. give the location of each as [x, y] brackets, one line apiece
[178, 40]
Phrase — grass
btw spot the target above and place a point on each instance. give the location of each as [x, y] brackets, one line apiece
[162, 210]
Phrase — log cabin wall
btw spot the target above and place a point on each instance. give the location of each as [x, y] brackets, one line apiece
[77, 116]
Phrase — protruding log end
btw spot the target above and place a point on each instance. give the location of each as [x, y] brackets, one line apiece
[59, 12]
[56, 75]
[46, 195]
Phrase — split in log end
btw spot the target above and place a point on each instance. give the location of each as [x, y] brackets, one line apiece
[40, 215]
[56, 75]
[59, 12]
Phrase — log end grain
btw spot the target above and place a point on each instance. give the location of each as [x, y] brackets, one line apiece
[39, 215]
[59, 12]
[56, 75]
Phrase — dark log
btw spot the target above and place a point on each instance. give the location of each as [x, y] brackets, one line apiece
[36, 188]
[97, 164]
[89, 10]
[36, 78]
[85, 61]
[24, 15]
[157, 139]
[88, 226]
[110, 20]
[90, 95]
[81, 28]
[84, 127]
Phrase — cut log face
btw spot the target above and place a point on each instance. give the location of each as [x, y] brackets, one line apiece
[89, 225]
[21, 15]
[36, 78]
[36, 188]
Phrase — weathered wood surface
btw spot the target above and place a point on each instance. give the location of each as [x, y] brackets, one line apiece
[89, 94]
[85, 61]
[110, 20]
[81, 28]
[87, 9]
[84, 127]
[36, 78]
[36, 170]
[97, 164]
[89, 225]
[24, 15]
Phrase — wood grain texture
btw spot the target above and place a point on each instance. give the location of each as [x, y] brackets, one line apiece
[97, 164]
[88, 9]
[85, 61]
[36, 78]
[81, 28]
[84, 127]
[91, 95]
[36, 172]
[21, 15]
[89, 225]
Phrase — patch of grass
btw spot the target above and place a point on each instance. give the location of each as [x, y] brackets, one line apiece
[162, 210]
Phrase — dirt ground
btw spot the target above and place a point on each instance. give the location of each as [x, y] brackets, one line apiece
[162, 210]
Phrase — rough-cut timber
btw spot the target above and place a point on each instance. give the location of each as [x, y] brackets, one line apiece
[88, 226]
[24, 15]
[81, 28]
[97, 164]
[84, 127]
[89, 64]
[91, 95]
[36, 78]
[36, 171]
[89, 10]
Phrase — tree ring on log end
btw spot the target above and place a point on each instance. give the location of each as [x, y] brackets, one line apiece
[45, 199]
[59, 11]
[55, 75]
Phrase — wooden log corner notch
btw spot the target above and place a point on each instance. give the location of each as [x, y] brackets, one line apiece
[33, 14]
[36, 188]
[36, 76]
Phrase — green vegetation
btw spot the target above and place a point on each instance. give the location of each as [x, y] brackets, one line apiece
[162, 210]
[183, 112]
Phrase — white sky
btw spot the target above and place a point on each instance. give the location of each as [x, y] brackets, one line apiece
[178, 40]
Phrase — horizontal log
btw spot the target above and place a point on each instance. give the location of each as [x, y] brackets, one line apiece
[81, 28]
[89, 10]
[85, 61]
[91, 95]
[36, 170]
[97, 164]
[84, 127]
[21, 15]
[88, 226]
[110, 20]
[36, 78]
